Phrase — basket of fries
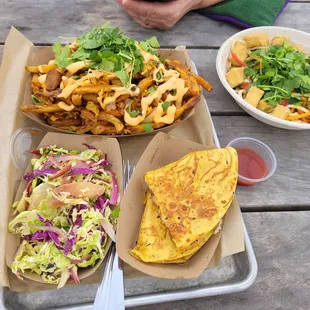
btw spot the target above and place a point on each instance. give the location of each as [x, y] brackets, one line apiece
[104, 83]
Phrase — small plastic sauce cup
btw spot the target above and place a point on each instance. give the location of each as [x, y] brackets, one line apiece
[23, 141]
[257, 162]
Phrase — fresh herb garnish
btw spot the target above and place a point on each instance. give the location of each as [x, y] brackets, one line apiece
[281, 71]
[149, 44]
[62, 54]
[107, 49]
[147, 127]
[166, 105]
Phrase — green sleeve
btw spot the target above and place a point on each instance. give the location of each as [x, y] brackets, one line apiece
[246, 13]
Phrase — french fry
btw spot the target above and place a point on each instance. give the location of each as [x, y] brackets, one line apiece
[102, 128]
[189, 104]
[193, 87]
[145, 83]
[65, 122]
[121, 105]
[76, 99]
[119, 113]
[119, 126]
[140, 128]
[90, 97]
[202, 82]
[35, 80]
[41, 108]
[122, 98]
[85, 114]
[87, 127]
[46, 68]
[32, 69]
[177, 65]
[92, 89]
[117, 82]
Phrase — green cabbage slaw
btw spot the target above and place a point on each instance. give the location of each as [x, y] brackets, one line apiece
[65, 216]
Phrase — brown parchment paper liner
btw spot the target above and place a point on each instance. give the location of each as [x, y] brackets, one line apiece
[162, 150]
[44, 54]
[13, 78]
[88, 275]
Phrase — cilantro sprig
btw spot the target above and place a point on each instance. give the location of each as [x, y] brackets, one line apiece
[281, 71]
[106, 48]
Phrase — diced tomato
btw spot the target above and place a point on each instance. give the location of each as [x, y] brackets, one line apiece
[285, 101]
[245, 85]
[61, 172]
[237, 60]
[35, 152]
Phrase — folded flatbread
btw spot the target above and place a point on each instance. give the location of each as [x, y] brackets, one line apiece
[154, 242]
[194, 193]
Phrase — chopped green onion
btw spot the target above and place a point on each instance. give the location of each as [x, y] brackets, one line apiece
[166, 105]
[36, 100]
[173, 92]
[147, 127]
[158, 75]
[133, 113]
[151, 90]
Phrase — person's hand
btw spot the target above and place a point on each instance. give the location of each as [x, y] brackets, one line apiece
[162, 15]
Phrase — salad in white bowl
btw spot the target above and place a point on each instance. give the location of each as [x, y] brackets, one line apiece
[267, 71]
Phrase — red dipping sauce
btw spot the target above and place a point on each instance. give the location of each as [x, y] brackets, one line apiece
[251, 166]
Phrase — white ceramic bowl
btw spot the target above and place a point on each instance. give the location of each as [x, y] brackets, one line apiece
[298, 37]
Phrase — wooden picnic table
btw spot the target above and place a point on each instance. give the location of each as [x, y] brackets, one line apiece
[276, 212]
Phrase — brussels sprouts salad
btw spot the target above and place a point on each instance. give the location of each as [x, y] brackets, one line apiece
[65, 216]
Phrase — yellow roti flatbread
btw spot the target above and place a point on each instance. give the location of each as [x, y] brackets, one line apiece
[154, 242]
[194, 193]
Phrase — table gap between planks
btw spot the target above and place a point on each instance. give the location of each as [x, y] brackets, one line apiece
[279, 238]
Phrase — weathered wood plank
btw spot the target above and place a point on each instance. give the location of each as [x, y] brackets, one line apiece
[281, 245]
[290, 184]
[44, 21]
[219, 100]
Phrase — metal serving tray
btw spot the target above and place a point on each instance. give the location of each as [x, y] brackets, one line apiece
[234, 274]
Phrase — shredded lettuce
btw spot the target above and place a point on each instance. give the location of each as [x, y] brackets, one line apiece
[23, 223]
[43, 259]
[64, 226]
